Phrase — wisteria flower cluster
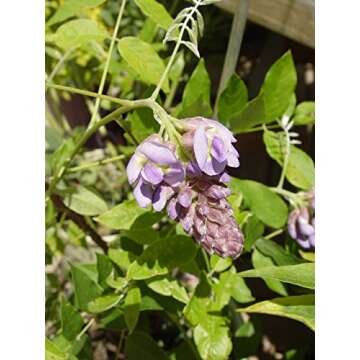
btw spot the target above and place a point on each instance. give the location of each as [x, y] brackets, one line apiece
[194, 190]
[301, 223]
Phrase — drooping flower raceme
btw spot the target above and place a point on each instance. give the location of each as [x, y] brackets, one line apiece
[301, 223]
[194, 191]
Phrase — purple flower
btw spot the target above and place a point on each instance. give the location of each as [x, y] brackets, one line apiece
[301, 224]
[211, 143]
[153, 171]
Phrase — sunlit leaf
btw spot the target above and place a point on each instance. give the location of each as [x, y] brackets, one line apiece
[301, 275]
[156, 12]
[78, 32]
[301, 308]
[145, 61]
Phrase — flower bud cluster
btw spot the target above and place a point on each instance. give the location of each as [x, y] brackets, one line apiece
[301, 223]
[194, 191]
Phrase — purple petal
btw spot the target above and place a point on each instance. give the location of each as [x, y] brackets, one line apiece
[225, 178]
[193, 170]
[312, 240]
[161, 195]
[134, 167]
[305, 228]
[213, 167]
[233, 158]
[185, 197]
[171, 209]
[201, 147]
[152, 174]
[225, 133]
[218, 150]
[143, 194]
[174, 175]
[157, 153]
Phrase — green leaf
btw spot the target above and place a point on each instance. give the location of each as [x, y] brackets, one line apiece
[85, 202]
[265, 204]
[52, 352]
[254, 228]
[72, 7]
[127, 215]
[168, 287]
[196, 96]
[104, 268]
[77, 33]
[276, 252]
[301, 308]
[301, 275]
[236, 286]
[219, 264]
[103, 303]
[232, 100]
[132, 307]
[156, 12]
[300, 170]
[212, 339]
[278, 87]
[85, 287]
[161, 256]
[259, 261]
[252, 114]
[304, 113]
[143, 59]
[71, 320]
[142, 124]
[120, 257]
[140, 346]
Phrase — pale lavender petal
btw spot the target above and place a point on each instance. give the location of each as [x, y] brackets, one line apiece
[157, 153]
[222, 130]
[233, 159]
[152, 174]
[218, 150]
[161, 195]
[174, 175]
[134, 167]
[171, 209]
[312, 240]
[225, 178]
[201, 147]
[305, 228]
[185, 197]
[143, 194]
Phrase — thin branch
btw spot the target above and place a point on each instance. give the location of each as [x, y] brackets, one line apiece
[107, 64]
[89, 93]
[80, 221]
[96, 163]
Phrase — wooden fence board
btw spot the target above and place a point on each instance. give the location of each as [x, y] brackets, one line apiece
[291, 18]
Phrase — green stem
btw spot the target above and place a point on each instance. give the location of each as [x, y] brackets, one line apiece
[171, 95]
[173, 55]
[259, 128]
[85, 329]
[107, 63]
[96, 163]
[273, 234]
[59, 65]
[89, 93]
[286, 159]
[206, 259]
